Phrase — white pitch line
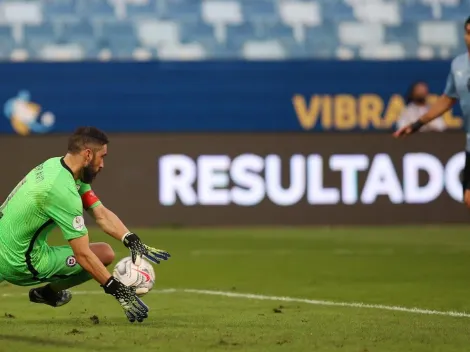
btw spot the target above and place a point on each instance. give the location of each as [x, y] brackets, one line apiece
[329, 303]
[284, 299]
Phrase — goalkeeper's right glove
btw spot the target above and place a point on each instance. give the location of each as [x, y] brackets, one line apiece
[139, 249]
[132, 305]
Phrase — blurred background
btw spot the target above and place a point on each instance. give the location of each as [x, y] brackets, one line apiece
[242, 132]
[73, 30]
[241, 112]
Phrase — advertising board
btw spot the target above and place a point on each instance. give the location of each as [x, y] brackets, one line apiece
[268, 179]
[200, 97]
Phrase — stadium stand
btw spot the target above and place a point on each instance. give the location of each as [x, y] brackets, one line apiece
[252, 29]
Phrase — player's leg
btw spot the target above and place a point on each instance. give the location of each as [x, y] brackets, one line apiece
[65, 273]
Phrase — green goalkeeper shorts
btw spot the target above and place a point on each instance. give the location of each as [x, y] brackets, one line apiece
[57, 263]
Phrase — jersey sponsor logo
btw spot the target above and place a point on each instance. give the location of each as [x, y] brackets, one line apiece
[78, 223]
[89, 198]
[71, 261]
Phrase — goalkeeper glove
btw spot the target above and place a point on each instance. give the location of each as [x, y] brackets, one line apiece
[138, 250]
[132, 305]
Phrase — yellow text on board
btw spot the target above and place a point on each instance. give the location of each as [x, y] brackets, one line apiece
[347, 112]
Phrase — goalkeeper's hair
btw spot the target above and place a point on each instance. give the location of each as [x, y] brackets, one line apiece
[86, 137]
[467, 22]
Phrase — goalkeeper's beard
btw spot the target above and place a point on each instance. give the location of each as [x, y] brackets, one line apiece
[88, 174]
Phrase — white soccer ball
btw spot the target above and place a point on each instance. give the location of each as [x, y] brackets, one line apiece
[142, 276]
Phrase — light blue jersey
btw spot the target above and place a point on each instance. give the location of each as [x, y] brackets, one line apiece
[458, 87]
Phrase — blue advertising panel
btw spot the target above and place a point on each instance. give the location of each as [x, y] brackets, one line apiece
[287, 96]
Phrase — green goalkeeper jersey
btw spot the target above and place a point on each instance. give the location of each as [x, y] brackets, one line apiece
[46, 198]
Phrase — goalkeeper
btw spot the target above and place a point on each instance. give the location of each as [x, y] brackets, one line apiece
[54, 194]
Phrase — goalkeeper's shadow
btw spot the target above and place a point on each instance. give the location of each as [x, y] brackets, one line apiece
[40, 341]
[91, 322]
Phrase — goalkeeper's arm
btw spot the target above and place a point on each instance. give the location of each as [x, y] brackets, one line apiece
[88, 260]
[109, 222]
[113, 226]
[133, 307]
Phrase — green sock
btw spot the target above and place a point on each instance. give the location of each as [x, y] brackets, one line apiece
[70, 281]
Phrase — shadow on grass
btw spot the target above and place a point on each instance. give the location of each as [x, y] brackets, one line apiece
[38, 341]
[104, 322]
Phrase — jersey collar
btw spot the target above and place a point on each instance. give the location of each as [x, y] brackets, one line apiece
[66, 166]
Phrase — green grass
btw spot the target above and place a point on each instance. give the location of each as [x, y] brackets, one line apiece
[420, 267]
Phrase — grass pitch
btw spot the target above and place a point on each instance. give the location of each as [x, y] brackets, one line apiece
[427, 268]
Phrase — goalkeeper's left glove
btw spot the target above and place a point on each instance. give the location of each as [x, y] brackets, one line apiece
[132, 305]
[139, 250]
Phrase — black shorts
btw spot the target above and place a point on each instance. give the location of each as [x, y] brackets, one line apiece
[466, 173]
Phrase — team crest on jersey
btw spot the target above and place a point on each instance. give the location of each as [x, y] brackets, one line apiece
[78, 187]
[71, 261]
[78, 223]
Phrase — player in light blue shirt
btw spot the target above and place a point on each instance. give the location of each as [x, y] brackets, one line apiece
[457, 88]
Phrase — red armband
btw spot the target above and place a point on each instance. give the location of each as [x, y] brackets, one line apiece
[89, 198]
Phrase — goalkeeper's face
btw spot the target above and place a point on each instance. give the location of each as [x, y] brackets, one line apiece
[94, 163]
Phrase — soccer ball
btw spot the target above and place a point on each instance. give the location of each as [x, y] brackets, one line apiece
[142, 276]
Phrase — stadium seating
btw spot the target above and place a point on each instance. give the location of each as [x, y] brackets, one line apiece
[251, 29]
